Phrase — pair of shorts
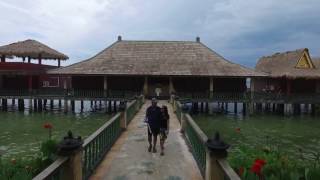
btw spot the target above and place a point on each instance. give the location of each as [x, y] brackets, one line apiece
[163, 133]
[154, 131]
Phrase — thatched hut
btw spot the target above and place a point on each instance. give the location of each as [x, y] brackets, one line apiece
[27, 75]
[289, 72]
[158, 68]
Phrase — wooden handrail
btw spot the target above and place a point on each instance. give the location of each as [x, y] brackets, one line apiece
[51, 169]
[229, 172]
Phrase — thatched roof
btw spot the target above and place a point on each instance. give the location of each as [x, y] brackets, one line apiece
[174, 58]
[285, 65]
[31, 48]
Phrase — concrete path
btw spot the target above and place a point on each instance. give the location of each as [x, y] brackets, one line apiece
[129, 159]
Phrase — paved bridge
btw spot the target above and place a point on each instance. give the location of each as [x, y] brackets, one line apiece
[129, 158]
[118, 151]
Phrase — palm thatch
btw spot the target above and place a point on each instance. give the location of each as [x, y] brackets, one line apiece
[285, 65]
[174, 58]
[31, 48]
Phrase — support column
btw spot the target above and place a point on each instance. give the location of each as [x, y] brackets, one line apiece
[73, 106]
[81, 105]
[145, 86]
[59, 62]
[40, 59]
[105, 86]
[29, 59]
[171, 87]
[235, 108]
[65, 107]
[3, 58]
[211, 88]
[51, 104]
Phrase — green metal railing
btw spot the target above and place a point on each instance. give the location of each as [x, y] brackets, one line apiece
[178, 108]
[133, 107]
[99, 143]
[197, 140]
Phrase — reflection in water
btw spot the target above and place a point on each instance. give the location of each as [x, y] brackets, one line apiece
[22, 132]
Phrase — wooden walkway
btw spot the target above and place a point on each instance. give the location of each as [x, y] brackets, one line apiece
[129, 159]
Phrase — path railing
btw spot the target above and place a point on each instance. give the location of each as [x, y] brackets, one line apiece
[210, 165]
[94, 147]
[99, 143]
[133, 107]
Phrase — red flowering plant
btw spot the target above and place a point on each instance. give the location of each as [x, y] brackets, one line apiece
[49, 127]
[257, 166]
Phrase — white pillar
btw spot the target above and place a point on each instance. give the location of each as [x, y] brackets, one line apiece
[171, 88]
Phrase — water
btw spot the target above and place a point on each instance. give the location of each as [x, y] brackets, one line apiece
[22, 132]
[289, 134]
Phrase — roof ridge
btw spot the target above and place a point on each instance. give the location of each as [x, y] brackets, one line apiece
[158, 41]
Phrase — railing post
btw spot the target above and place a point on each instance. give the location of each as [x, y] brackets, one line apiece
[215, 150]
[73, 168]
[72, 148]
[123, 118]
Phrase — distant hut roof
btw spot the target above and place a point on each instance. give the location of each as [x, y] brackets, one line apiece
[176, 58]
[287, 65]
[31, 48]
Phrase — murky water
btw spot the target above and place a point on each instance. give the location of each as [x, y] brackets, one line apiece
[288, 133]
[22, 132]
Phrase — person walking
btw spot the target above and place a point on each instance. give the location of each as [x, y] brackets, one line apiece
[164, 127]
[153, 118]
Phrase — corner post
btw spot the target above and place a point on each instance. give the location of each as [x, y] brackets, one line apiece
[215, 151]
[73, 168]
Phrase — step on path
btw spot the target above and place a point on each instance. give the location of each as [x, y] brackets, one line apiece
[129, 158]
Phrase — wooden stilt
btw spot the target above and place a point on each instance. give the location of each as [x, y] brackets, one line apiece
[235, 108]
[51, 103]
[72, 105]
[81, 105]
[109, 106]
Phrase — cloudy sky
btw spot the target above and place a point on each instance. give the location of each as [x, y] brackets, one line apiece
[240, 30]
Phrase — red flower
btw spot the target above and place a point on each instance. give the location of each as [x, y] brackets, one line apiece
[238, 130]
[240, 171]
[256, 168]
[260, 161]
[47, 126]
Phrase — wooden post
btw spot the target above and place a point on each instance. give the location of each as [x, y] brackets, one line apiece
[29, 59]
[65, 98]
[145, 86]
[40, 59]
[235, 108]
[171, 87]
[81, 105]
[105, 86]
[123, 120]
[211, 88]
[3, 58]
[73, 168]
[72, 106]
[59, 62]
[51, 104]
[23, 59]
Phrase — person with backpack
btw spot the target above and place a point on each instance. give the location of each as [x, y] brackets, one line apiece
[153, 119]
[164, 127]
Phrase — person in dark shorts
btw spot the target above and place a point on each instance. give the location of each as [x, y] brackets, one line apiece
[153, 118]
[164, 127]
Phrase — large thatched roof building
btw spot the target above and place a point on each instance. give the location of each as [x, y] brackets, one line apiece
[291, 64]
[181, 58]
[289, 72]
[171, 65]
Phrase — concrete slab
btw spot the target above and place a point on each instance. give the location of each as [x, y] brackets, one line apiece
[129, 158]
